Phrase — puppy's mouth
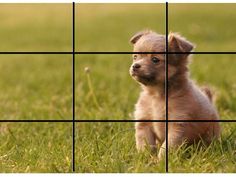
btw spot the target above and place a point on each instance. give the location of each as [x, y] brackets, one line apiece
[144, 79]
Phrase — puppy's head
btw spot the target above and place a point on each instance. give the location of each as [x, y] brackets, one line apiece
[149, 69]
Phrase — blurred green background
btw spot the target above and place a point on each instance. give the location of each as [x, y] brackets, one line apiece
[210, 26]
[108, 27]
[39, 86]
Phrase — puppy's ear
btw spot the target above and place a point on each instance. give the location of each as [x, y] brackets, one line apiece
[138, 35]
[179, 44]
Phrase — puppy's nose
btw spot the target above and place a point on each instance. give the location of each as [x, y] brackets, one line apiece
[136, 66]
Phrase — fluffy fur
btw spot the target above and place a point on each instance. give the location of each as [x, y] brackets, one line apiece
[186, 101]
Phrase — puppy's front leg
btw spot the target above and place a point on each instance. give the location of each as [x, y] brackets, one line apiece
[144, 136]
[175, 138]
[162, 151]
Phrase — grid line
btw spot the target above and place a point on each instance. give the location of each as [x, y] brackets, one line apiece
[113, 52]
[166, 89]
[73, 86]
[111, 120]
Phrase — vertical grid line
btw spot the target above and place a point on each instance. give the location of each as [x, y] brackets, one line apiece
[73, 86]
[166, 89]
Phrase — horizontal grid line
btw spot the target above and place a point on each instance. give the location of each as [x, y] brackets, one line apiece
[81, 53]
[71, 121]
[34, 53]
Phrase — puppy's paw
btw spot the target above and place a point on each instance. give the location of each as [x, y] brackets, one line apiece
[143, 146]
[140, 147]
[162, 152]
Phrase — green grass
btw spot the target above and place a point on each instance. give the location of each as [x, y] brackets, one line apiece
[35, 87]
[209, 26]
[35, 147]
[110, 147]
[39, 86]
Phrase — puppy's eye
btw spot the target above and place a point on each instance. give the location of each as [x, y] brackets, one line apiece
[155, 60]
[135, 57]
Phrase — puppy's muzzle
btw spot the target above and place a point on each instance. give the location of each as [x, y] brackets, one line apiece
[136, 66]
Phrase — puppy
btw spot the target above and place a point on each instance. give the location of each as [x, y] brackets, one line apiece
[186, 101]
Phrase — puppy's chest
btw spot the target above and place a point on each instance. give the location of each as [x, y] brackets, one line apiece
[158, 108]
[151, 107]
[158, 113]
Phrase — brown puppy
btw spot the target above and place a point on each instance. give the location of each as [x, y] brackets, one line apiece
[186, 101]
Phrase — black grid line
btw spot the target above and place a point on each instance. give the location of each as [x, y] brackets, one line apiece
[74, 53]
[73, 86]
[112, 120]
[116, 53]
[166, 90]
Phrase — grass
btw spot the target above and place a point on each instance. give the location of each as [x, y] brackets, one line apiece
[35, 87]
[39, 86]
[35, 147]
